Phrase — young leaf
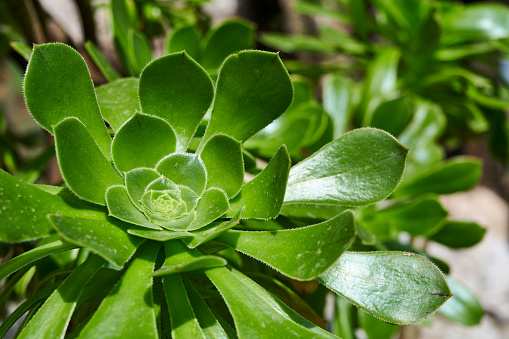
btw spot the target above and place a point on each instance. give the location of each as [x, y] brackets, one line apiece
[101, 62]
[184, 169]
[86, 171]
[300, 253]
[118, 101]
[457, 234]
[185, 38]
[230, 37]
[52, 319]
[136, 181]
[141, 142]
[106, 239]
[253, 89]
[269, 317]
[177, 89]
[463, 307]
[212, 204]
[130, 302]
[223, 160]
[361, 167]
[263, 196]
[397, 287]
[58, 85]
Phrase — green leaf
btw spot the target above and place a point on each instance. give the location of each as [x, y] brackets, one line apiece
[104, 238]
[212, 204]
[463, 307]
[183, 321]
[361, 167]
[458, 234]
[129, 303]
[458, 174]
[200, 263]
[118, 101]
[229, 37]
[184, 169]
[87, 172]
[185, 38]
[212, 231]
[140, 51]
[391, 115]
[23, 210]
[337, 102]
[136, 181]
[141, 142]
[253, 89]
[223, 160]
[121, 207]
[31, 256]
[58, 85]
[177, 89]
[23, 49]
[52, 319]
[269, 317]
[263, 196]
[301, 253]
[101, 62]
[397, 287]
[375, 328]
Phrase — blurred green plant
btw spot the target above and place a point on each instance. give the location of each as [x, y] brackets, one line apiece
[128, 198]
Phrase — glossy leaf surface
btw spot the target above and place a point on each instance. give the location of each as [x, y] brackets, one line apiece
[397, 287]
[458, 234]
[141, 142]
[184, 169]
[263, 196]
[360, 168]
[463, 307]
[87, 172]
[178, 90]
[212, 204]
[300, 253]
[58, 85]
[252, 90]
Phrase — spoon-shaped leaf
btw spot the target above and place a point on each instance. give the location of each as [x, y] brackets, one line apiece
[301, 253]
[58, 85]
[253, 89]
[178, 90]
[118, 101]
[184, 38]
[361, 167]
[141, 142]
[268, 316]
[136, 181]
[52, 318]
[184, 169]
[130, 302]
[212, 204]
[397, 287]
[106, 239]
[263, 196]
[223, 160]
[84, 168]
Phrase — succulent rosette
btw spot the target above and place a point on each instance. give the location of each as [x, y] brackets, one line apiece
[172, 179]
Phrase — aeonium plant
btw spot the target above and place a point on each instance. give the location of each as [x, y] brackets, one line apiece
[156, 210]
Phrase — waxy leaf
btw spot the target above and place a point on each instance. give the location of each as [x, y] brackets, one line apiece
[376, 328]
[129, 303]
[52, 319]
[184, 169]
[253, 89]
[136, 181]
[263, 196]
[397, 287]
[185, 38]
[223, 160]
[361, 167]
[58, 85]
[177, 89]
[84, 168]
[212, 204]
[457, 174]
[300, 253]
[24, 207]
[463, 307]
[121, 207]
[200, 263]
[141, 142]
[104, 238]
[229, 37]
[118, 101]
[183, 321]
[268, 316]
[458, 234]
